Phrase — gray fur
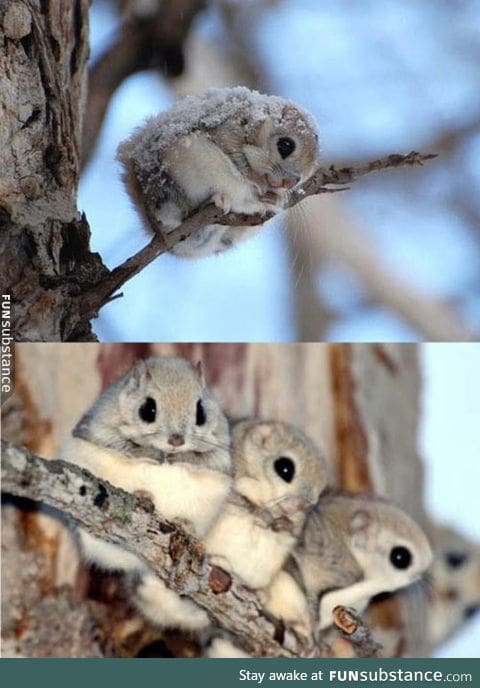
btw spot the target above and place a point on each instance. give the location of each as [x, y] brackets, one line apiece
[236, 163]
[114, 421]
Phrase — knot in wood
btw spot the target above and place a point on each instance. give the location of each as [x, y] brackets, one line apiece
[219, 580]
[145, 500]
[17, 22]
[31, 186]
[178, 546]
[279, 632]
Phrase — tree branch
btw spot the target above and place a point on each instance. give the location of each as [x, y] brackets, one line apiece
[354, 629]
[324, 180]
[177, 558]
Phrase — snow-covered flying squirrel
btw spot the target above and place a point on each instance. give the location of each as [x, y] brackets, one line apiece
[353, 547]
[158, 430]
[242, 150]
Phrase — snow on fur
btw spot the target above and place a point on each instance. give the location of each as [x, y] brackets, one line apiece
[217, 105]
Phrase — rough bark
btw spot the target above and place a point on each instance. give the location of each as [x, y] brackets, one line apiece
[43, 53]
[176, 558]
[39, 619]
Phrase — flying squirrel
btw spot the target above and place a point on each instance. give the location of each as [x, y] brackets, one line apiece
[239, 149]
[454, 593]
[279, 475]
[159, 431]
[353, 547]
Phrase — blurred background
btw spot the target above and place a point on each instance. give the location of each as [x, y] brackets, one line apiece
[449, 443]
[395, 258]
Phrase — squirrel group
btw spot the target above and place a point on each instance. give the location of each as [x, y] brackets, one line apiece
[255, 491]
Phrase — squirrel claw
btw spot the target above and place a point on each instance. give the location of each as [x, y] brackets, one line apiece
[222, 201]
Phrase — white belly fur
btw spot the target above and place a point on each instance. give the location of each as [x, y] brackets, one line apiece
[179, 491]
[252, 552]
[201, 168]
[287, 601]
[106, 555]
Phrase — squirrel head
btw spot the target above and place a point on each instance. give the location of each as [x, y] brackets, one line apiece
[387, 543]
[455, 581]
[283, 150]
[164, 403]
[277, 467]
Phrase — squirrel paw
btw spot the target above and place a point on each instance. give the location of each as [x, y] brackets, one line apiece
[222, 201]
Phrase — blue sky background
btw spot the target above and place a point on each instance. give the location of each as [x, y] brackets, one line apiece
[379, 77]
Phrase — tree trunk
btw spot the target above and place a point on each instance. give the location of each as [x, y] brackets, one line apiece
[376, 391]
[44, 253]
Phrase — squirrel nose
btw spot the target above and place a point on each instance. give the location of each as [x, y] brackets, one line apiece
[176, 440]
[292, 506]
[285, 182]
[290, 182]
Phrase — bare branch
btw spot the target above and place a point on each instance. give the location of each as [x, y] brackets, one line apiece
[176, 557]
[346, 175]
[131, 522]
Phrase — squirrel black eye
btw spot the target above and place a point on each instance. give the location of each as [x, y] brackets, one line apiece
[285, 468]
[285, 146]
[455, 559]
[201, 418]
[148, 410]
[400, 557]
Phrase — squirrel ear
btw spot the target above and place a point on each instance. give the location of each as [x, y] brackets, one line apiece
[138, 373]
[263, 132]
[359, 522]
[135, 379]
[199, 368]
[260, 433]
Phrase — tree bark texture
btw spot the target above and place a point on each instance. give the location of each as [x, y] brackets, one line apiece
[127, 520]
[43, 55]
